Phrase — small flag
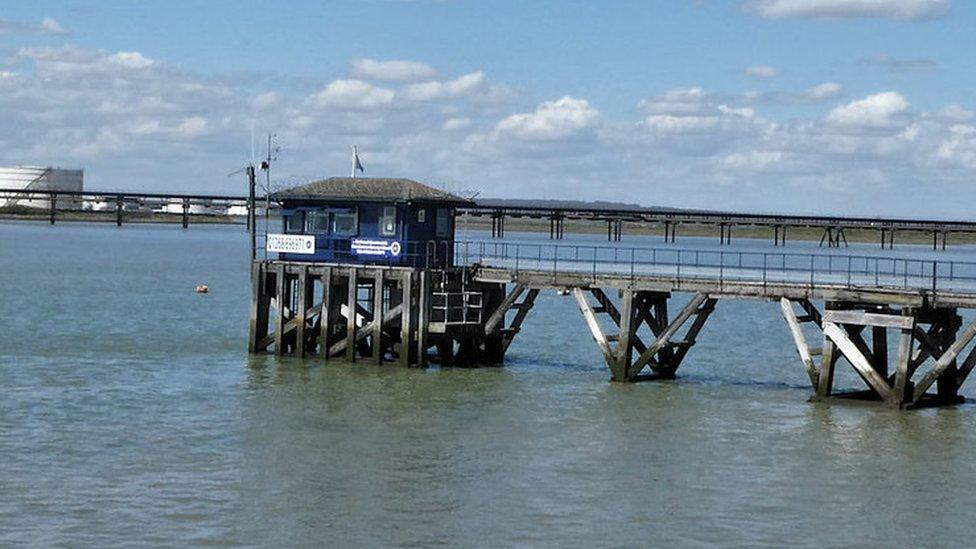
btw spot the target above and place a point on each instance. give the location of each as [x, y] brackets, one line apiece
[356, 164]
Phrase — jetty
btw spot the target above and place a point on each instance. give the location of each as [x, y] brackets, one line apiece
[365, 269]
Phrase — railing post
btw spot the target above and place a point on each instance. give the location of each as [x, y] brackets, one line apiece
[764, 271]
[935, 270]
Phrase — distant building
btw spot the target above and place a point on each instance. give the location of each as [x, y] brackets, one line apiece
[41, 178]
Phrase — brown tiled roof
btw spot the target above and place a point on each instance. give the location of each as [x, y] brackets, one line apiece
[373, 189]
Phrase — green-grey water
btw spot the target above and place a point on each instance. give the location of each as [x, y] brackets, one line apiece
[131, 415]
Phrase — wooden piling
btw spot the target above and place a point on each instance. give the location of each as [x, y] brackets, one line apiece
[378, 317]
[326, 317]
[351, 306]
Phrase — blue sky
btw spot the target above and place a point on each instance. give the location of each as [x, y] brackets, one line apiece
[839, 106]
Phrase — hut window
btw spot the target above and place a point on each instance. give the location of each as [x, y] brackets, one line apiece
[317, 222]
[345, 222]
[443, 222]
[388, 221]
[294, 223]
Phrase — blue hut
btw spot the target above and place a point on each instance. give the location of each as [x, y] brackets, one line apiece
[367, 220]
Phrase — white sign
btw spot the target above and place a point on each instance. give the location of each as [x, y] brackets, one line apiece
[376, 246]
[291, 243]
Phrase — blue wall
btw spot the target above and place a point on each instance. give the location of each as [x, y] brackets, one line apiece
[415, 233]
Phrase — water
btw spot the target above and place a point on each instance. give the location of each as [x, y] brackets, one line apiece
[131, 415]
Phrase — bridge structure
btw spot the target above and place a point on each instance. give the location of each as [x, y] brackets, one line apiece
[833, 229]
[894, 322]
[130, 206]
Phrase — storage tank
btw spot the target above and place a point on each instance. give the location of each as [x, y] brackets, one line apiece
[41, 178]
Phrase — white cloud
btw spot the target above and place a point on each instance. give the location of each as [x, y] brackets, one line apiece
[878, 110]
[265, 100]
[762, 71]
[753, 160]
[466, 85]
[192, 126]
[46, 26]
[131, 60]
[909, 10]
[551, 120]
[52, 26]
[457, 123]
[821, 92]
[393, 71]
[667, 123]
[955, 113]
[352, 94]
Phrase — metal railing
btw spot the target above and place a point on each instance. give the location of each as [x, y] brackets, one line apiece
[848, 271]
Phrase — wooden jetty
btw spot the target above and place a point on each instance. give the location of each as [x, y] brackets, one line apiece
[368, 298]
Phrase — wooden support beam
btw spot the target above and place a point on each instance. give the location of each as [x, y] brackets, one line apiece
[879, 349]
[260, 303]
[902, 388]
[860, 363]
[665, 337]
[302, 302]
[352, 295]
[523, 310]
[799, 340]
[828, 362]
[947, 358]
[497, 318]
[868, 319]
[325, 317]
[966, 368]
[598, 335]
[344, 345]
[406, 318]
[377, 314]
[281, 300]
[625, 319]
[423, 318]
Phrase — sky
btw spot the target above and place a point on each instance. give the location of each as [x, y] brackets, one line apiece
[851, 107]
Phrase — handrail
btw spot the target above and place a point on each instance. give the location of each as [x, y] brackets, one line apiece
[808, 269]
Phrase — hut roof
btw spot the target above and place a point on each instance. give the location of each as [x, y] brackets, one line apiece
[369, 189]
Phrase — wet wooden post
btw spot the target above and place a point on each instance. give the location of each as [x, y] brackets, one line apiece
[303, 297]
[260, 301]
[118, 211]
[186, 212]
[423, 317]
[325, 316]
[54, 207]
[625, 346]
[351, 299]
[378, 317]
[281, 290]
[406, 319]
[879, 349]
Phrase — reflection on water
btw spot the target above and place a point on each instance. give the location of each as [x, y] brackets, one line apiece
[132, 415]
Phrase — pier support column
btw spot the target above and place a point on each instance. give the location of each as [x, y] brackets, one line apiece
[351, 306]
[665, 354]
[935, 331]
[328, 313]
